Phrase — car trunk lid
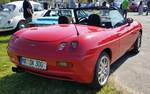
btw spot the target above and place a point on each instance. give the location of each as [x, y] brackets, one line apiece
[49, 33]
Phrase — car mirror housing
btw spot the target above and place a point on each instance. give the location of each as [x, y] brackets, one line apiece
[129, 21]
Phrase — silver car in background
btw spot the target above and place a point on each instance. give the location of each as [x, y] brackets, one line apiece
[11, 16]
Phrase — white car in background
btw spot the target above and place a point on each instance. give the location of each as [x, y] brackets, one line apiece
[11, 16]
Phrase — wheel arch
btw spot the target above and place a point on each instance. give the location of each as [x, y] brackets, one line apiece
[17, 19]
[141, 31]
[22, 20]
[108, 51]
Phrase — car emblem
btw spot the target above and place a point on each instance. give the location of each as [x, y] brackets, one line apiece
[32, 45]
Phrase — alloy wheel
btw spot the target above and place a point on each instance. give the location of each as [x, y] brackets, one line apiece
[103, 70]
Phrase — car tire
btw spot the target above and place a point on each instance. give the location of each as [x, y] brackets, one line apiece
[137, 44]
[20, 25]
[102, 71]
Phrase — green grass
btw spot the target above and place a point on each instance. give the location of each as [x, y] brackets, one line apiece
[24, 83]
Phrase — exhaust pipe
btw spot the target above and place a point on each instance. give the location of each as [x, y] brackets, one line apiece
[17, 70]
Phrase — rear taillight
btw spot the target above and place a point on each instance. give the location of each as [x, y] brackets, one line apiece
[62, 46]
[74, 44]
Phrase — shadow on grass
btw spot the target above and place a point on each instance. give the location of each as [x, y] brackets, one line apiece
[4, 41]
[30, 84]
[25, 83]
[6, 33]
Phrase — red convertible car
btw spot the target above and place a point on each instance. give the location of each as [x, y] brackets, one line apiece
[81, 51]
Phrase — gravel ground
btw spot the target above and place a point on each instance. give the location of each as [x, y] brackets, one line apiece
[131, 73]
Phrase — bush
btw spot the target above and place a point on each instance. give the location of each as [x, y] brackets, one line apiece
[6, 1]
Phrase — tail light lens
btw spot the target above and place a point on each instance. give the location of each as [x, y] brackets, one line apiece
[74, 44]
[62, 46]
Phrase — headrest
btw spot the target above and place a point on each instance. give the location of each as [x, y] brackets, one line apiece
[63, 20]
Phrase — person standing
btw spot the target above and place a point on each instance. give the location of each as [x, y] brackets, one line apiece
[104, 5]
[124, 7]
[27, 11]
[140, 8]
[72, 4]
[90, 4]
[105, 11]
[148, 7]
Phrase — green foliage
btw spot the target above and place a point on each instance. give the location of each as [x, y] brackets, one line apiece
[83, 1]
[6, 1]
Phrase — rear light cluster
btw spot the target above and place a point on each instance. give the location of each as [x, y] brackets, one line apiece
[63, 45]
[64, 64]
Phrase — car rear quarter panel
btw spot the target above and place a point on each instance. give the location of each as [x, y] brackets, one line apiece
[98, 39]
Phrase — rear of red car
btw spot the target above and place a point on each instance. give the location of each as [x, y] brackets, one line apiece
[52, 58]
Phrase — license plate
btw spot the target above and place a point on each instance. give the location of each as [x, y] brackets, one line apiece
[33, 63]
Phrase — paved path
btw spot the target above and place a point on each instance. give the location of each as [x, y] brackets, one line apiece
[132, 72]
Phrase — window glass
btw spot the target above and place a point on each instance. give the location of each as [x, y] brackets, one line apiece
[9, 8]
[52, 13]
[83, 14]
[103, 13]
[21, 9]
[116, 18]
[38, 7]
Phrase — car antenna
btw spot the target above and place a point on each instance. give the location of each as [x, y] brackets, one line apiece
[76, 29]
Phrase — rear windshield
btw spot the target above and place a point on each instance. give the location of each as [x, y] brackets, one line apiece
[9, 8]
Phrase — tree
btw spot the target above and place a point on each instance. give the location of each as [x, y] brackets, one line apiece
[6, 1]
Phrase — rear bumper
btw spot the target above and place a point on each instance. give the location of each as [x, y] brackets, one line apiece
[82, 70]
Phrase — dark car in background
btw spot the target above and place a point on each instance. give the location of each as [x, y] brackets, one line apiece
[133, 6]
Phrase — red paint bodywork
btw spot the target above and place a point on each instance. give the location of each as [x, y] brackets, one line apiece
[92, 41]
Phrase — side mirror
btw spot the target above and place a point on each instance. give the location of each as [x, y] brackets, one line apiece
[129, 21]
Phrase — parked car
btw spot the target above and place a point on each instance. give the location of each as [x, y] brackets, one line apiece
[11, 17]
[133, 7]
[117, 3]
[81, 52]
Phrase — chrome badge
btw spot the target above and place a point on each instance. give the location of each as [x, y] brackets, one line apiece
[32, 45]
